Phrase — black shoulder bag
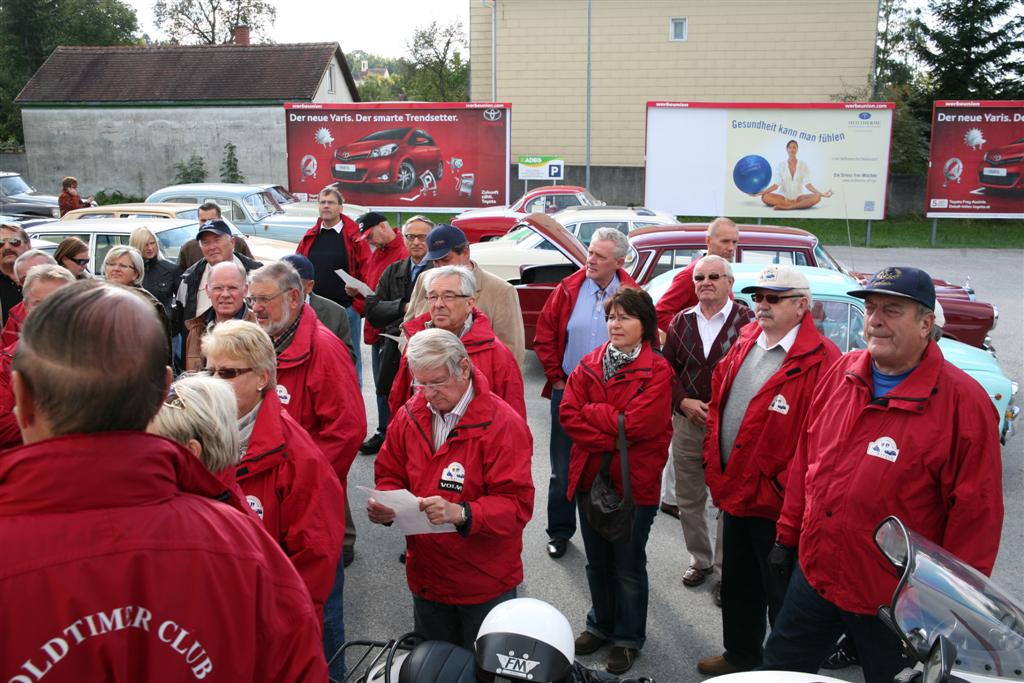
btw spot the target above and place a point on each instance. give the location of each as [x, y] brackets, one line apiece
[610, 514]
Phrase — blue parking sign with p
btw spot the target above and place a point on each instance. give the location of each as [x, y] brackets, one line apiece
[555, 170]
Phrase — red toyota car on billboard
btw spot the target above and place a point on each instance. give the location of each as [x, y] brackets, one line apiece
[390, 159]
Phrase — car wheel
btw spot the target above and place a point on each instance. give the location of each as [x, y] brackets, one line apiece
[440, 170]
[406, 177]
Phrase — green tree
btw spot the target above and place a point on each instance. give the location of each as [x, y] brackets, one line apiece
[899, 31]
[31, 29]
[435, 71]
[229, 172]
[974, 50]
[380, 89]
[191, 171]
[211, 22]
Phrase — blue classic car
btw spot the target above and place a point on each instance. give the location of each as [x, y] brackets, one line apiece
[840, 317]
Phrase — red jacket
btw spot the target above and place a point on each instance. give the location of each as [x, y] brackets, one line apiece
[489, 355]
[551, 336]
[679, 296]
[494, 448]
[928, 453]
[119, 563]
[380, 259]
[289, 483]
[316, 382]
[12, 328]
[753, 482]
[357, 250]
[10, 432]
[590, 416]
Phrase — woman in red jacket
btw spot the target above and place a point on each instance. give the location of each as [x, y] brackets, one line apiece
[625, 376]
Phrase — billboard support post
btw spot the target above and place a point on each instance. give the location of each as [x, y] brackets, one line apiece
[867, 235]
[935, 231]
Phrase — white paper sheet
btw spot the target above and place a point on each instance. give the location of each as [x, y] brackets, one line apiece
[354, 283]
[400, 339]
[408, 516]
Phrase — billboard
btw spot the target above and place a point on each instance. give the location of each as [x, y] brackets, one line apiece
[535, 167]
[828, 160]
[402, 156]
[976, 163]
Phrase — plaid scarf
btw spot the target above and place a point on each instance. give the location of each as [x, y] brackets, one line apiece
[615, 360]
[281, 343]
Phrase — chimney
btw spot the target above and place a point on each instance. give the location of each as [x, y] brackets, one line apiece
[241, 35]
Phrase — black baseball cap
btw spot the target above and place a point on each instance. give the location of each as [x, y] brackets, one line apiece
[216, 225]
[903, 281]
[442, 239]
[302, 265]
[370, 219]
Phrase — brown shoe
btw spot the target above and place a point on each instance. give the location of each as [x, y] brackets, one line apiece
[718, 666]
[695, 576]
[621, 659]
[670, 509]
[588, 643]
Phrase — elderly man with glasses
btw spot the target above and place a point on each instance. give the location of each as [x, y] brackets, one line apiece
[466, 454]
[761, 391]
[316, 384]
[13, 243]
[227, 289]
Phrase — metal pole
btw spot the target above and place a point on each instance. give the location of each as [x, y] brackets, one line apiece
[935, 230]
[494, 50]
[867, 237]
[589, 13]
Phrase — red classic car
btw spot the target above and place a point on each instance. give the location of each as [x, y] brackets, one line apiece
[481, 225]
[659, 249]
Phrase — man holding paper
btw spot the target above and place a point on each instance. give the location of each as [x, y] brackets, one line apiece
[466, 454]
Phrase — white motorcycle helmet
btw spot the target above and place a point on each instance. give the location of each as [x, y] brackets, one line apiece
[525, 639]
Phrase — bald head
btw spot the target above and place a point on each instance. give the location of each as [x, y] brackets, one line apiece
[112, 377]
[723, 236]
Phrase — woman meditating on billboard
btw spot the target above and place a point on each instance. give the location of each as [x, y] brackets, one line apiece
[792, 188]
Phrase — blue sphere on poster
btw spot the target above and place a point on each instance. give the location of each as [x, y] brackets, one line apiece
[752, 173]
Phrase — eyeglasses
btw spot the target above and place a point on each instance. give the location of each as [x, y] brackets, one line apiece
[13, 241]
[714, 277]
[251, 301]
[226, 373]
[430, 386]
[119, 266]
[447, 297]
[415, 238]
[174, 401]
[83, 262]
[773, 299]
[620, 318]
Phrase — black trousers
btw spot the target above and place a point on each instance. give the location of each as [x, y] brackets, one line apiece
[749, 590]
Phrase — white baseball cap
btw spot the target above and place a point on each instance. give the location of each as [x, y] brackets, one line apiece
[778, 279]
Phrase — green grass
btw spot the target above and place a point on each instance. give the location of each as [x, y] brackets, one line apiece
[904, 231]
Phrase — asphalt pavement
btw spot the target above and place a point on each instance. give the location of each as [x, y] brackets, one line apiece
[683, 623]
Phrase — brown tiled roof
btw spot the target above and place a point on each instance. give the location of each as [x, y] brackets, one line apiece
[184, 73]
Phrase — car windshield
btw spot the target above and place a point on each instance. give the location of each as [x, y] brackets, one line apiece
[14, 185]
[516, 235]
[281, 195]
[261, 205]
[171, 240]
[389, 134]
[587, 199]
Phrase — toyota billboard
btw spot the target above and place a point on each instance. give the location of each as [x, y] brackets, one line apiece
[976, 164]
[402, 156]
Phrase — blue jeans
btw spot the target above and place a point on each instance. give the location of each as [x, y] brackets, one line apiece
[456, 624]
[334, 622]
[383, 412]
[617, 574]
[355, 325]
[808, 626]
[561, 510]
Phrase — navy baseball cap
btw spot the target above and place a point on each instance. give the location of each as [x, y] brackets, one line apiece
[442, 239]
[302, 265]
[216, 226]
[370, 219]
[903, 281]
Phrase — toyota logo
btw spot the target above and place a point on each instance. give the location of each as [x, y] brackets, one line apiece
[344, 155]
[492, 114]
[997, 157]
[308, 166]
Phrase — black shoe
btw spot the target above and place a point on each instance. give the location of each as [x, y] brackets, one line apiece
[556, 547]
[843, 655]
[348, 555]
[670, 509]
[372, 445]
[587, 643]
[620, 659]
[716, 593]
[401, 558]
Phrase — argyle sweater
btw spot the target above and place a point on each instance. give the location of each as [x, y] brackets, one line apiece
[685, 352]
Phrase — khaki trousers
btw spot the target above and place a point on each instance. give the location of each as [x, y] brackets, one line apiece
[692, 494]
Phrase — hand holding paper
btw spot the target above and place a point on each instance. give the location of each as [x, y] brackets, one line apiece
[354, 283]
[405, 511]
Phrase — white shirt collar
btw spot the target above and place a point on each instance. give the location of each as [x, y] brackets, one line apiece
[786, 342]
[336, 227]
[723, 314]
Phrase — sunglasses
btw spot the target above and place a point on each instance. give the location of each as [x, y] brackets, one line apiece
[773, 298]
[83, 262]
[13, 241]
[714, 277]
[226, 373]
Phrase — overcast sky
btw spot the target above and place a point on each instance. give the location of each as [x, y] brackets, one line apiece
[375, 26]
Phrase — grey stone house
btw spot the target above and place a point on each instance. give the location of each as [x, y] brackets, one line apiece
[120, 118]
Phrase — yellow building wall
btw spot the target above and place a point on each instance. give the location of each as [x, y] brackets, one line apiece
[736, 51]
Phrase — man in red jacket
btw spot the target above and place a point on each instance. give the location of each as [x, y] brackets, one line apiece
[450, 293]
[145, 568]
[893, 430]
[571, 325]
[317, 385]
[760, 395]
[333, 243]
[723, 236]
[467, 455]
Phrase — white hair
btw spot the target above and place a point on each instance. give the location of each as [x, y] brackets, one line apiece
[47, 272]
[467, 281]
[433, 348]
[614, 236]
[203, 408]
[131, 252]
[711, 258]
[28, 256]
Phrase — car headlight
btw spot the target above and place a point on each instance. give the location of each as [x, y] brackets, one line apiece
[384, 150]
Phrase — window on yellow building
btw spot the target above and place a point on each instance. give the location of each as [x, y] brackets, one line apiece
[677, 28]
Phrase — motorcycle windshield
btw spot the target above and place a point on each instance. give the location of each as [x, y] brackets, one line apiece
[939, 595]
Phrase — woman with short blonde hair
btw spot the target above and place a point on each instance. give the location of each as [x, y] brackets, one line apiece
[123, 265]
[199, 413]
